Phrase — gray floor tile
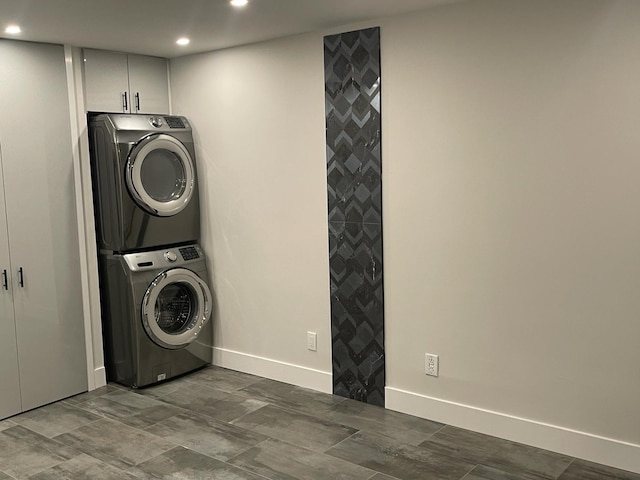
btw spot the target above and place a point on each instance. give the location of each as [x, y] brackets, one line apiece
[115, 443]
[24, 453]
[83, 467]
[233, 407]
[291, 396]
[4, 424]
[98, 392]
[206, 435]
[223, 378]
[371, 418]
[294, 427]
[181, 463]
[529, 462]
[55, 419]
[129, 408]
[583, 470]
[482, 472]
[205, 400]
[407, 462]
[282, 461]
[121, 433]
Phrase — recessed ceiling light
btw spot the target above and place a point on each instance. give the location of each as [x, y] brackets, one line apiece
[239, 3]
[13, 30]
[183, 41]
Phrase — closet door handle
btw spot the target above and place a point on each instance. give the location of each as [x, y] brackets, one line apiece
[125, 104]
[5, 281]
[20, 277]
[137, 101]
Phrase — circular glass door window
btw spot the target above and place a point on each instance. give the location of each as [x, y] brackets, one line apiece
[175, 307]
[161, 175]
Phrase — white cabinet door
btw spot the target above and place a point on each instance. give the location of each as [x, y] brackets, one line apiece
[42, 225]
[148, 83]
[106, 81]
[120, 82]
[9, 381]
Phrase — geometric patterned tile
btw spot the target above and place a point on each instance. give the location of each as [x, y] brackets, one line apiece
[354, 183]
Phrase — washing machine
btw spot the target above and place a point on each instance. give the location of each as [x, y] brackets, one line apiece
[156, 314]
[144, 181]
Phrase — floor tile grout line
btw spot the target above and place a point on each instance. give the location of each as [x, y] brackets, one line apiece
[324, 452]
[315, 452]
[227, 461]
[573, 459]
[437, 431]
[469, 472]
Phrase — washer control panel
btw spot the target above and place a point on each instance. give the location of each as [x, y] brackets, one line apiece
[165, 258]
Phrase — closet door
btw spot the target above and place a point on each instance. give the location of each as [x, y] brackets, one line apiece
[9, 381]
[42, 224]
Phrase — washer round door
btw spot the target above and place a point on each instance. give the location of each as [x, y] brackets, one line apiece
[160, 175]
[175, 307]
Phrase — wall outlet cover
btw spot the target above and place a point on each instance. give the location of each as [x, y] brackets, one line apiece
[431, 364]
[312, 341]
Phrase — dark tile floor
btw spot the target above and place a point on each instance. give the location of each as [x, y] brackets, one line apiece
[221, 424]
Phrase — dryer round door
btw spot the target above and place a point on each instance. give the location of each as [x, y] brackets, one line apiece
[175, 307]
[160, 175]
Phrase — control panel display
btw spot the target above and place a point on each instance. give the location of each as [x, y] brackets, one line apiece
[189, 253]
[174, 122]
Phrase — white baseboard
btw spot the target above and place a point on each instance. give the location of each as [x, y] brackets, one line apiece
[274, 369]
[99, 377]
[606, 451]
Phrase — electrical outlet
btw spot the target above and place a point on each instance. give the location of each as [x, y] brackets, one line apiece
[312, 341]
[431, 364]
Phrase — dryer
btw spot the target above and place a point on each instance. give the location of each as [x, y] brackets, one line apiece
[156, 314]
[144, 181]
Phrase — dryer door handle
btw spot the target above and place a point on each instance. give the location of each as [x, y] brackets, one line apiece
[20, 277]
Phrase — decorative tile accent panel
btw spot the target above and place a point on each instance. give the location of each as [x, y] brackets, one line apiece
[354, 183]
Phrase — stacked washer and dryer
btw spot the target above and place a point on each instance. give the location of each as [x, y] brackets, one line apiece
[156, 302]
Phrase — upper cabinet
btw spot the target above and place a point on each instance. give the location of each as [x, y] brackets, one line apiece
[125, 83]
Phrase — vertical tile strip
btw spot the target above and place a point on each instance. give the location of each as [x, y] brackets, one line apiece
[354, 183]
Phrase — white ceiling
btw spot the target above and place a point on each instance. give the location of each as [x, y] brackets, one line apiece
[151, 27]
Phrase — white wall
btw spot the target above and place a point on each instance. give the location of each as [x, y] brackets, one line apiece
[512, 209]
[258, 115]
[511, 225]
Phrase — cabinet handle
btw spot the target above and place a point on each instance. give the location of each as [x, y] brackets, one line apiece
[5, 282]
[125, 104]
[137, 101]
[20, 277]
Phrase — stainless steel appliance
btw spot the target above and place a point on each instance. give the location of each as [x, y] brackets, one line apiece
[144, 181]
[156, 309]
